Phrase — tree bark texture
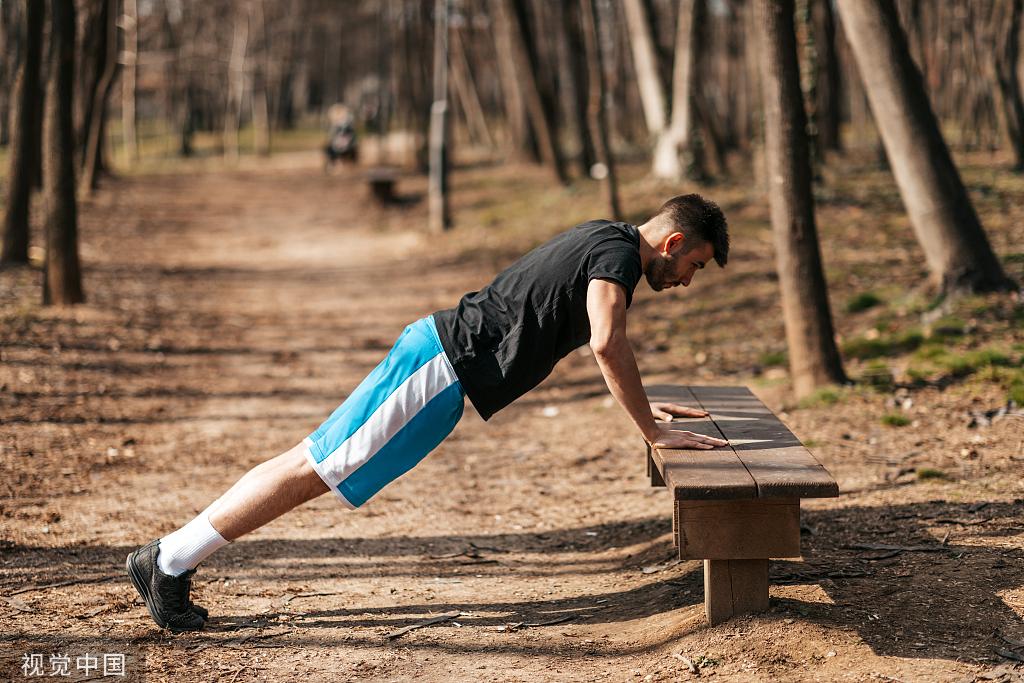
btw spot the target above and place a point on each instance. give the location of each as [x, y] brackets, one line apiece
[829, 82]
[1007, 62]
[62, 274]
[955, 245]
[129, 78]
[439, 218]
[521, 141]
[675, 153]
[596, 113]
[92, 159]
[813, 356]
[25, 150]
[645, 63]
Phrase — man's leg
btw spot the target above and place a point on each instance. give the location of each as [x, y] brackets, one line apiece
[162, 570]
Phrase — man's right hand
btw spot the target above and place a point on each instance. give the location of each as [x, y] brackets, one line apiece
[686, 440]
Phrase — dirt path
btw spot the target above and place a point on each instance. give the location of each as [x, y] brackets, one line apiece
[230, 313]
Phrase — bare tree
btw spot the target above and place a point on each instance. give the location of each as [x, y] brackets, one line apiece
[92, 159]
[955, 245]
[813, 356]
[596, 114]
[828, 79]
[129, 78]
[440, 217]
[25, 150]
[1007, 62]
[62, 274]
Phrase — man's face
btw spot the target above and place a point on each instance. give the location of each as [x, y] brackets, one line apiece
[674, 265]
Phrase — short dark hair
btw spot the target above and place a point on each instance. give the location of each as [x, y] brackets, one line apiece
[696, 216]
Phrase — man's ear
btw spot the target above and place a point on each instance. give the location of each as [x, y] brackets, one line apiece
[673, 242]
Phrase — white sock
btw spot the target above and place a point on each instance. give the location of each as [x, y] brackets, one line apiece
[189, 545]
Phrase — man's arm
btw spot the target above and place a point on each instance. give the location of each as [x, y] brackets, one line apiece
[606, 306]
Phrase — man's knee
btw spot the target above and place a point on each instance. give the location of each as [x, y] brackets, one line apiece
[301, 470]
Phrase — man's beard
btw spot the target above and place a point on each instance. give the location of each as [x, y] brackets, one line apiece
[655, 273]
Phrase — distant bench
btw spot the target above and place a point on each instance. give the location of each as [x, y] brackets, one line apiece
[735, 507]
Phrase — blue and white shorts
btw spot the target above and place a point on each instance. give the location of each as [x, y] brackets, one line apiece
[403, 409]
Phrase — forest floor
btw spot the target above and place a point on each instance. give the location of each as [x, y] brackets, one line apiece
[229, 312]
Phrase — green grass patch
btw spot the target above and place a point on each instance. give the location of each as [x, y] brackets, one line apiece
[826, 396]
[947, 328]
[862, 302]
[1016, 393]
[773, 358]
[931, 473]
[863, 348]
[895, 420]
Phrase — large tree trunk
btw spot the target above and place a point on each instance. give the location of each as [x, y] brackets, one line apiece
[92, 158]
[62, 275]
[1007, 58]
[676, 152]
[596, 115]
[25, 152]
[955, 245]
[813, 358]
[440, 219]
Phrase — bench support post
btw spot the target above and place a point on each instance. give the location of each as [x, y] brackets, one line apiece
[733, 587]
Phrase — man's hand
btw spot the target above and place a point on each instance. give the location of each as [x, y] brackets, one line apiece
[680, 439]
[666, 411]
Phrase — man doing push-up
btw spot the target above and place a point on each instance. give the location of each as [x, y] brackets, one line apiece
[493, 347]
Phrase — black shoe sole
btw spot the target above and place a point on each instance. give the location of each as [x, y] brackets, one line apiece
[147, 598]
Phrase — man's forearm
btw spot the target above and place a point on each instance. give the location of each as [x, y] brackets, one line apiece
[618, 365]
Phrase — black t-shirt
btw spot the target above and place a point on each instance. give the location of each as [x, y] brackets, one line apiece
[505, 339]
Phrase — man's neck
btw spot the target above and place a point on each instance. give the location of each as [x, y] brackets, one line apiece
[650, 237]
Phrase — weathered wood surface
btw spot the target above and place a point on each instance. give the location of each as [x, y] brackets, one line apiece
[764, 459]
[737, 529]
[733, 587]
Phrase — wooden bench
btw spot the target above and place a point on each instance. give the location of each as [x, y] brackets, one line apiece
[735, 507]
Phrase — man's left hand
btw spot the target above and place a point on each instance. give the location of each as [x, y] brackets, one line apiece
[666, 411]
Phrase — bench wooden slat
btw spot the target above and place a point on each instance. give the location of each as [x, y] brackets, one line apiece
[699, 475]
[779, 464]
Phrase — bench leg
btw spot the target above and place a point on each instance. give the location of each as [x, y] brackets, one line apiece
[652, 470]
[733, 587]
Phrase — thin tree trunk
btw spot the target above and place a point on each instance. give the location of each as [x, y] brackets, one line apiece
[260, 83]
[236, 85]
[813, 357]
[955, 245]
[829, 78]
[465, 87]
[645, 63]
[93, 150]
[676, 153]
[1007, 61]
[62, 275]
[440, 217]
[129, 77]
[596, 113]
[525, 70]
[580, 71]
[25, 152]
[521, 141]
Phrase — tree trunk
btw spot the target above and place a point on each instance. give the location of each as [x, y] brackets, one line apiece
[129, 77]
[62, 275]
[521, 141]
[526, 73]
[25, 152]
[645, 63]
[236, 85]
[92, 159]
[813, 358]
[596, 114]
[465, 87]
[676, 153]
[829, 78]
[260, 82]
[440, 218]
[1007, 57]
[579, 74]
[954, 242]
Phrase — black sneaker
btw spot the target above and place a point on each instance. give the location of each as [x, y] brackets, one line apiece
[166, 597]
